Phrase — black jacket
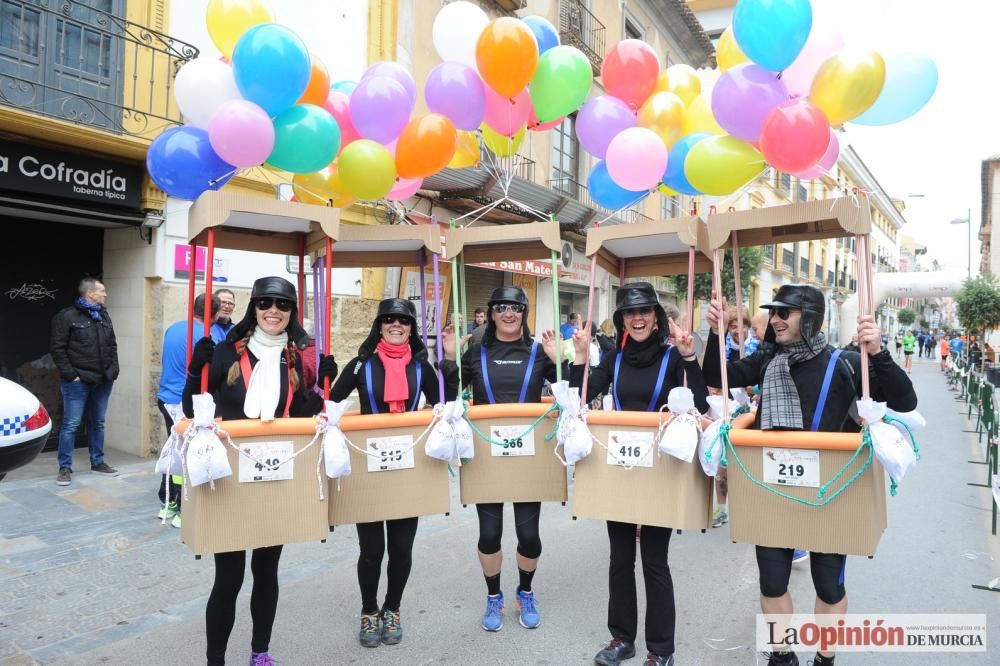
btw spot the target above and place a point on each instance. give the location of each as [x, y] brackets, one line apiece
[635, 385]
[354, 377]
[606, 343]
[84, 348]
[889, 383]
[229, 399]
[507, 363]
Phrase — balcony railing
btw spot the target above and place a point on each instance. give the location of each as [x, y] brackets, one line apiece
[579, 28]
[74, 62]
[579, 191]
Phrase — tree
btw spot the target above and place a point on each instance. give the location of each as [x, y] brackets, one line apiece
[978, 305]
[925, 325]
[750, 260]
[906, 316]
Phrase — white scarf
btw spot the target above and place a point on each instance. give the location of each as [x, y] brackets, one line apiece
[264, 388]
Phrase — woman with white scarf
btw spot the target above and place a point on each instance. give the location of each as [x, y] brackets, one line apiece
[255, 373]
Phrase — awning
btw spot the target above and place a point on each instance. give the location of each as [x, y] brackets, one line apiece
[69, 213]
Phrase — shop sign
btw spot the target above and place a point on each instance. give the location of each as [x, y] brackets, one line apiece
[65, 175]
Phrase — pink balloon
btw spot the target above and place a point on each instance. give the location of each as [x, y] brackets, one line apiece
[338, 105]
[506, 116]
[827, 162]
[535, 125]
[636, 159]
[821, 44]
[241, 133]
[404, 188]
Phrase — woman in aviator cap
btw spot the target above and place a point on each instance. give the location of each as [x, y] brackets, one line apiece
[256, 372]
[390, 372]
[640, 376]
[506, 366]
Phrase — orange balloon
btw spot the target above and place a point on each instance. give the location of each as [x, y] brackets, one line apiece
[319, 83]
[426, 146]
[322, 188]
[507, 55]
[466, 151]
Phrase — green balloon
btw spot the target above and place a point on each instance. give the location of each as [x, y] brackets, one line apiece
[720, 165]
[306, 139]
[367, 169]
[561, 82]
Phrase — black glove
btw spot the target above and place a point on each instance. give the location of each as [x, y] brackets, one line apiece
[201, 354]
[327, 369]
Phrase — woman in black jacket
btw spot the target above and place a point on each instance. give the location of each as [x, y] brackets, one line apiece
[506, 366]
[390, 372]
[640, 376]
[255, 373]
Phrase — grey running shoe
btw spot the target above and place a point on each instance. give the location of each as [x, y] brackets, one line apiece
[392, 630]
[370, 636]
[65, 476]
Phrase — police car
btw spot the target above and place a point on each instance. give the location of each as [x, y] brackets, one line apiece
[24, 426]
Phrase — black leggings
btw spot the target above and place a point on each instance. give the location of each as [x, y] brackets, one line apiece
[372, 539]
[828, 569]
[220, 614]
[526, 515]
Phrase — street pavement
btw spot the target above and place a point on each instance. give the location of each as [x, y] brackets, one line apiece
[88, 575]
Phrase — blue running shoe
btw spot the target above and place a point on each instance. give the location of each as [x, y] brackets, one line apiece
[529, 617]
[493, 619]
[799, 556]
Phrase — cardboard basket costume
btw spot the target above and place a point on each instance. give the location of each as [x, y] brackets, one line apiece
[659, 490]
[851, 516]
[498, 473]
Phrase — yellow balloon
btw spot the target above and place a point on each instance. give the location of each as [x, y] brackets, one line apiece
[720, 165]
[662, 82]
[502, 146]
[847, 84]
[322, 188]
[728, 53]
[668, 192]
[466, 151]
[699, 117]
[663, 113]
[683, 81]
[228, 19]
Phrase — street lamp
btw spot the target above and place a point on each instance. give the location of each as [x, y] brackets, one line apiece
[967, 220]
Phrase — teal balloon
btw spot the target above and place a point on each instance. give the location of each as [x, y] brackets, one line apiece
[674, 176]
[910, 82]
[772, 32]
[561, 82]
[346, 87]
[306, 139]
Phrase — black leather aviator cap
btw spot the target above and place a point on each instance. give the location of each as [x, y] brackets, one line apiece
[398, 306]
[508, 295]
[640, 295]
[803, 297]
[273, 287]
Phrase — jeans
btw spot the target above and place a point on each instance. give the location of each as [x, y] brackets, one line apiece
[77, 396]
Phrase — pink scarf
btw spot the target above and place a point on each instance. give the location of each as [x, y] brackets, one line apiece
[395, 358]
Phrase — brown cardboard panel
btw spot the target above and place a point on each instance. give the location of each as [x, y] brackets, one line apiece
[812, 220]
[365, 497]
[852, 523]
[538, 478]
[259, 224]
[671, 493]
[241, 516]
[649, 248]
[363, 245]
[533, 240]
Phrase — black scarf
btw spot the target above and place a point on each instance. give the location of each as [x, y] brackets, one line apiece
[642, 354]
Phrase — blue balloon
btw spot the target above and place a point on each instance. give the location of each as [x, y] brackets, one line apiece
[910, 82]
[546, 35]
[674, 177]
[271, 66]
[183, 164]
[772, 32]
[346, 87]
[608, 193]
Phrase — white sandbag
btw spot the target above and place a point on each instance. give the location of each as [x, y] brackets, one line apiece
[335, 454]
[914, 420]
[892, 448]
[450, 436]
[710, 445]
[170, 461]
[206, 460]
[740, 399]
[679, 436]
[573, 434]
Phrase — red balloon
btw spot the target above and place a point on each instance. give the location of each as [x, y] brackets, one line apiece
[795, 136]
[630, 71]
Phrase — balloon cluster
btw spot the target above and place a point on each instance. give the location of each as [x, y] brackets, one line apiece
[783, 87]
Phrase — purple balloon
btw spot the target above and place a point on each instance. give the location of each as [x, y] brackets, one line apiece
[379, 109]
[600, 120]
[398, 73]
[455, 91]
[744, 96]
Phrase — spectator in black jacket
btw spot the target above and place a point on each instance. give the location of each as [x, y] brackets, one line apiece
[390, 372]
[255, 373]
[85, 352]
[790, 369]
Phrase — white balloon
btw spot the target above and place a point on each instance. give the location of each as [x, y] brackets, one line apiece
[456, 31]
[201, 87]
